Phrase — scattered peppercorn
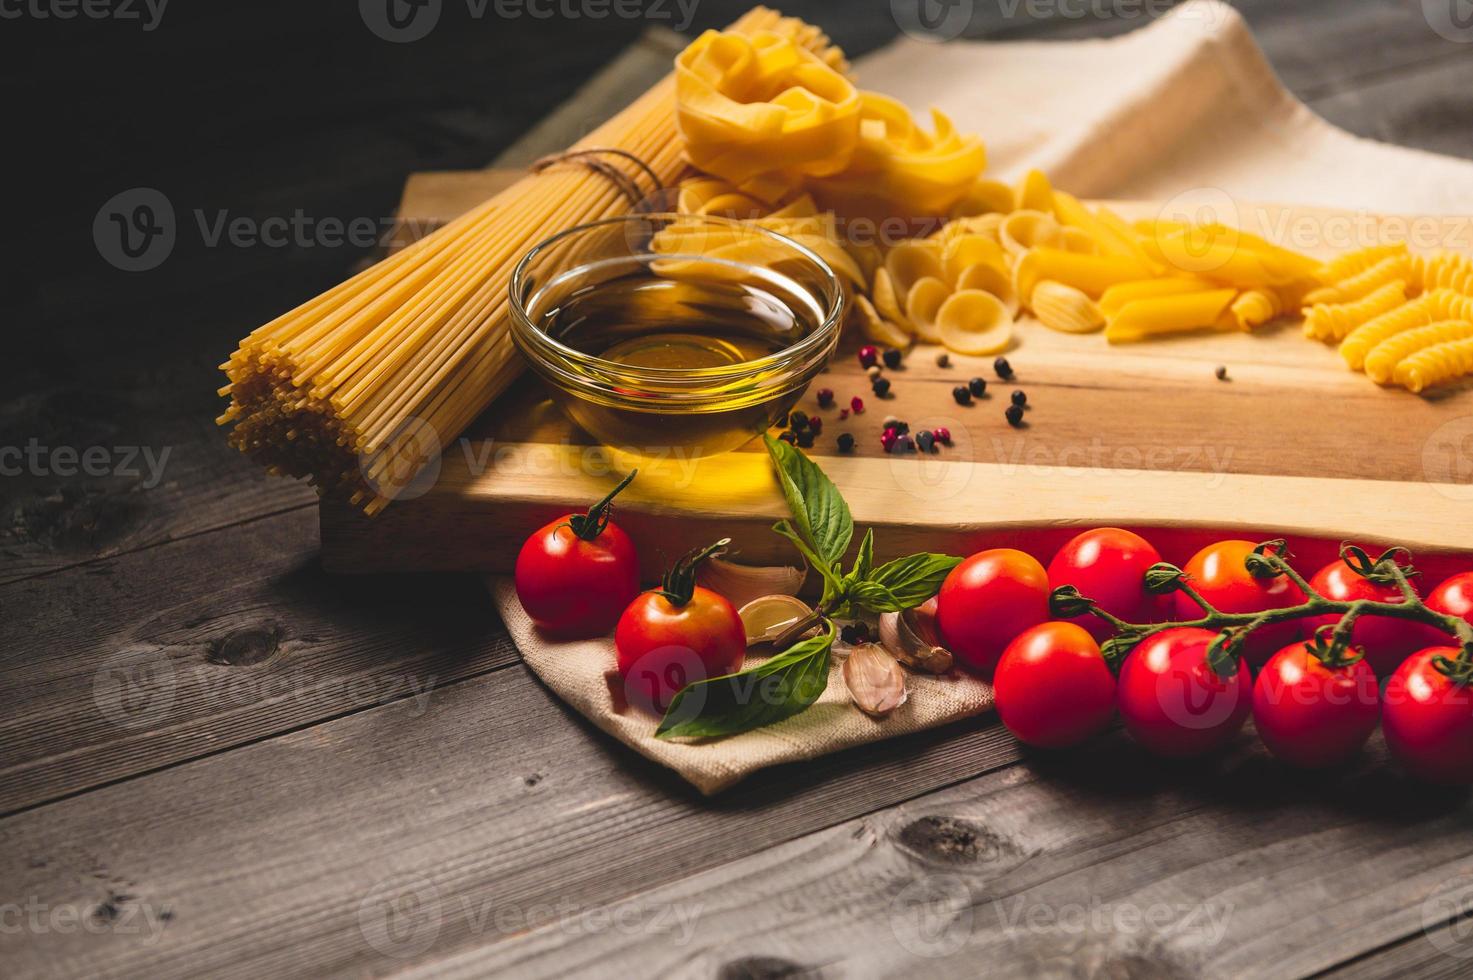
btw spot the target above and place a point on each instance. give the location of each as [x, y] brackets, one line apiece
[825, 397]
[942, 434]
[805, 439]
[873, 371]
[857, 404]
[846, 442]
[788, 437]
[903, 444]
[962, 394]
[1003, 368]
[881, 387]
[892, 358]
[1014, 416]
[1019, 398]
[1221, 372]
[815, 423]
[926, 441]
[977, 387]
[887, 439]
[843, 414]
[943, 360]
[798, 421]
[868, 355]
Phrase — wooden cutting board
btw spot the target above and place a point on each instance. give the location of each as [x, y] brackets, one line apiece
[1143, 436]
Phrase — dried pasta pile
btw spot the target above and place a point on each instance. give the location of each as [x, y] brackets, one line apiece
[1403, 319]
[357, 389]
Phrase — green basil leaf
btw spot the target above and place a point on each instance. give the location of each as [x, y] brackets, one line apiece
[764, 695]
[831, 582]
[818, 508]
[913, 579]
[872, 595]
[864, 562]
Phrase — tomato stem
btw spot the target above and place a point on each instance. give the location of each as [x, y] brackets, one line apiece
[680, 581]
[590, 525]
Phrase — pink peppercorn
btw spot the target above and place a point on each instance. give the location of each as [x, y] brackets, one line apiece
[887, 438]
[942, 434]
[868, 355]
[857, 404]
[843, 414]
[815, 423]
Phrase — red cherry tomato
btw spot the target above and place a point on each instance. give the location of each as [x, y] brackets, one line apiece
[987, 600]
[1173, 703]
[1312, 715]
[1428, 719]
[1053, 688]
[1385, 641]
[1454, 597]
[1109, 566]
[677, 635]
[575, 575]
[1218, 574]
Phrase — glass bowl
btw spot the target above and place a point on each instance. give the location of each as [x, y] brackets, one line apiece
[666, 334]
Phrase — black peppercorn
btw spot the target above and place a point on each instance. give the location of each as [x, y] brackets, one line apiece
[1221, 372]
[805, 439]
[977, 387]
[881, 386]
[787, 436]
[846, 442]
[925, 441]
[892, 358]
[1019, 398]
[962, 395]
[825, 397]
[1014, 416]
[1003, 368]
[798, 421]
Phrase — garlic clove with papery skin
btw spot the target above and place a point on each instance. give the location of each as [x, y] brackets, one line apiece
[741, 584]
[770, 616]
[910, 637]
[875, 681]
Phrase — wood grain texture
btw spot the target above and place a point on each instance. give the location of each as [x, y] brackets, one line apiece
[195, 647]
[1099, 863]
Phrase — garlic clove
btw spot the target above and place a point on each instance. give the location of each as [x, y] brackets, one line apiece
[741, 584]
[875, 681]
[910, 637]
[768, 617]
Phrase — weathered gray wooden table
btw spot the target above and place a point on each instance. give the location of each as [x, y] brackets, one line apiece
[215, 759]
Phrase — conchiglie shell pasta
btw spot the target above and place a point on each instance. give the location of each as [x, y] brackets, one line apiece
[992, 280]
[965, 251]
[922, 304]
[887, 302]
[975, 323]
[910, 262]
[1023, 230]
[876, 328]
[1066, 309]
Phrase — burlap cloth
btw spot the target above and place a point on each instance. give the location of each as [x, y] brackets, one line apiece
[1184, 106]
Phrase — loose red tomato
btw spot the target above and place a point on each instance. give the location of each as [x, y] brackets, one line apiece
[677, 635]
[1312, 715]
[1454, 597]
[1218, 574]
[1053, 687]
[986, 601]
[1109, 566]
[575, 575]
[1428, 719]
[1386, 641]
[1172, 701]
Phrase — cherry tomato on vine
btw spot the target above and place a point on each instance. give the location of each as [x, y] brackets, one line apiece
[1454, 597]
[1311, 713]
[1053, 687]
[986, 601]
[1428, 719]
[1173, 702]
[1386, 641]
[1218, 574]
[1109, 566]
[575, 575]
[677, 635]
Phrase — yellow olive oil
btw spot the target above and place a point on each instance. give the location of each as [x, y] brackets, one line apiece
[681, 338]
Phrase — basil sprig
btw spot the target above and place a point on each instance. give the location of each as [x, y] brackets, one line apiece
[821, 529]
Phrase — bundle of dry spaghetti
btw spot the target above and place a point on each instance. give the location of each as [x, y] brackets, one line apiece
[357, 389]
